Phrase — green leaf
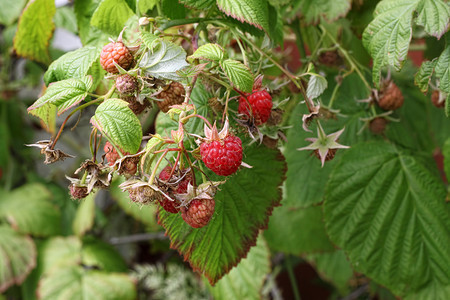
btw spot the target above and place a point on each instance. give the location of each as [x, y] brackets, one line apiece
[84, 218]
[334, 268]
[423, 76]
[146, 5]
[65, 18]
[74, 64]
[116, 120]
[59, 252]
[312, 11]
[443, 69]
[212, 52]
[316, 85]
[387, 210]
[198, 4]
[254, 12]
[9, 13]
[150, 40]
[63, 94]
[239, 74]
[35, 30]
[17, 257]
[297, 231]
[165, 61]
[145, 214]
[173, 10]
[446, 153]
[387, 37]
[434, 16]
[245, 281]
[111, 16]
[89, 35]
[77, 283]
[243, 205]
[100, 255]
[29, 209]
[447, 105]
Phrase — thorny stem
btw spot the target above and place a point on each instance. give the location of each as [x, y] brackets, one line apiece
[191, 166]
[244, 56]
[333, 95]
[220, 82]
[225, 112]
[187, 97]
[197, 116]
[179, 22]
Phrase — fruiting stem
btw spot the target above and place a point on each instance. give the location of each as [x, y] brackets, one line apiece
[83, 179]
[244, 56]
[197, 116]
[155, 169]
[179, 22]
[292, 278]
[225, 112]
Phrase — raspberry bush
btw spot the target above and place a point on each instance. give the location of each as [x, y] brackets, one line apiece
[245, 132]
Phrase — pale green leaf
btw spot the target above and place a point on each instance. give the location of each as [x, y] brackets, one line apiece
[443, 69]
[423, 76]
[212, 52]
[100, 255]
[65, 18]
[84, 217]
[316, 86]
[59, 252]
[28, 208]
[77, 283]
[254, 12]
[74, 64]
[146, 5]
[246, 280]
[386, 208]
[313, 11]
[17, 257]
[149, 39]
[9, 13]
[434, 16]
[388, 36]
[116, 120]
[239, 74]
[111, 16]
[63, 94]
[334, 268]
[89, 35]
[198, 4]
[297, 231]
[165, 61]
[242, 207]
[35, 30]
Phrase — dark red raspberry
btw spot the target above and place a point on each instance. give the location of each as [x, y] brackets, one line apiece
[223, 157]
[258, 104]
[126, 84]
[391, 97]
[171, 95]
[378, 125]
[115, 52]
[330, 58]
[111, 153]
[78, 192]
[198, 213]
[136, 107]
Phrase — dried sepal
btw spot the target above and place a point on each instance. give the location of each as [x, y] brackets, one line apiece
[51, 155]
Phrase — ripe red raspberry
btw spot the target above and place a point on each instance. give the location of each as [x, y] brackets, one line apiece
[78, 192]
[260, 106]
[172, 94]
[126, 84]
[177, 184]
[224, 156]
[391, 97]
[115, 52]
[198, 213]
[111, 153]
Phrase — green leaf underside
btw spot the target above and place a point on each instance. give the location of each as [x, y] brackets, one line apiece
[387, 211]
[116, 120]
[254, 12]
[387, 37]
[297, 231]
[246, 280]
[76, 283]
[198, 4]
[243, 205]
[165, 61]
[334, 268]
[17, 257]
[29, 210]
[443, 69]
[212, 52]
[149, 39]
[84, 217]
[423, 76]
[434, 16]
[312, 11]
[74, 64]
[316, 85]
[35, 30]
[111, 16]
[63, 95]
[238, 74]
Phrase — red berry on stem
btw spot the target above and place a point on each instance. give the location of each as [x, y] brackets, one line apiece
[115, 52]
[258, 104]
[180, 187]
[223, 157]
[198, 213]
